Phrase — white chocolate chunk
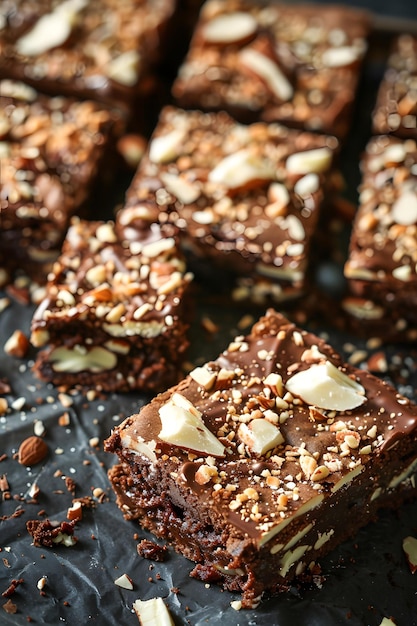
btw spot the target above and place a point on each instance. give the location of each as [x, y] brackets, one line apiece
[269, 71]
[229, 28]
[239, 169]
[167, 147]
[260, 435]
[308, 161]
[323, 385]
[182, 426]
[152, 612]
[96, 359]
[51, 30]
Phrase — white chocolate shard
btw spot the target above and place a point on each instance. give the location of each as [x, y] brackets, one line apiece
[182, 426]
[167, 147]
[239, 169]
[323, 385]
[152, 612]
[230, 28]
[51, 30]
[269, 72]
[309, 161]
[260, 435]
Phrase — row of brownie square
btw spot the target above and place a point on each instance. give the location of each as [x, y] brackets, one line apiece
[381, 268]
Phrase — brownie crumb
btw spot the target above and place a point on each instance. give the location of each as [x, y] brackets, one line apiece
[151, 550]
[12, 587]
[49, 534]
[10, 607]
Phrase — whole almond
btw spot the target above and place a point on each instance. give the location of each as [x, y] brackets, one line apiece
[32, 450]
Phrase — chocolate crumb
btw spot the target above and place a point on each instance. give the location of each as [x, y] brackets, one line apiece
[151, 550]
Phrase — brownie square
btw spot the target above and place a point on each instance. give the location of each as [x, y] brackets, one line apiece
[260, 462]
[113, 318]
[295, 64]
[245, 198]
[396, 105]
[52, 149]
[381, 268]
[100, 49]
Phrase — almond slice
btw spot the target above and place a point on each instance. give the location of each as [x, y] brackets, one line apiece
[324, 386]
[166, 148]
[340, 56]
[269, 72]
[51, 30]
[230, 28]
[308, 161]
[124, 69]
[410, 550]
[239, 169]
[186, 192]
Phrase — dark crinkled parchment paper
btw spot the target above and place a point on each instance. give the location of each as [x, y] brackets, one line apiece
[363, 581]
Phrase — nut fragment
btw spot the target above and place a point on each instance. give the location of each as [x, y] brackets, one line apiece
[17, 345]
[124, 581]
[240, 169]
[32, 451]
[269, 72]
[260, 435]
[230, 28]
[410, 550]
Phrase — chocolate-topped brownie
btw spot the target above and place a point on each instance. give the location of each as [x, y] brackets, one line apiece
[246, 198]
[113, 318]
[381, 268]
[260, 462]
[295, 64]
[396, 105]
[52, 150]
[100, 49]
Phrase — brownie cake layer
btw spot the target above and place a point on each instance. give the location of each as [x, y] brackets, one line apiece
[262, 461]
